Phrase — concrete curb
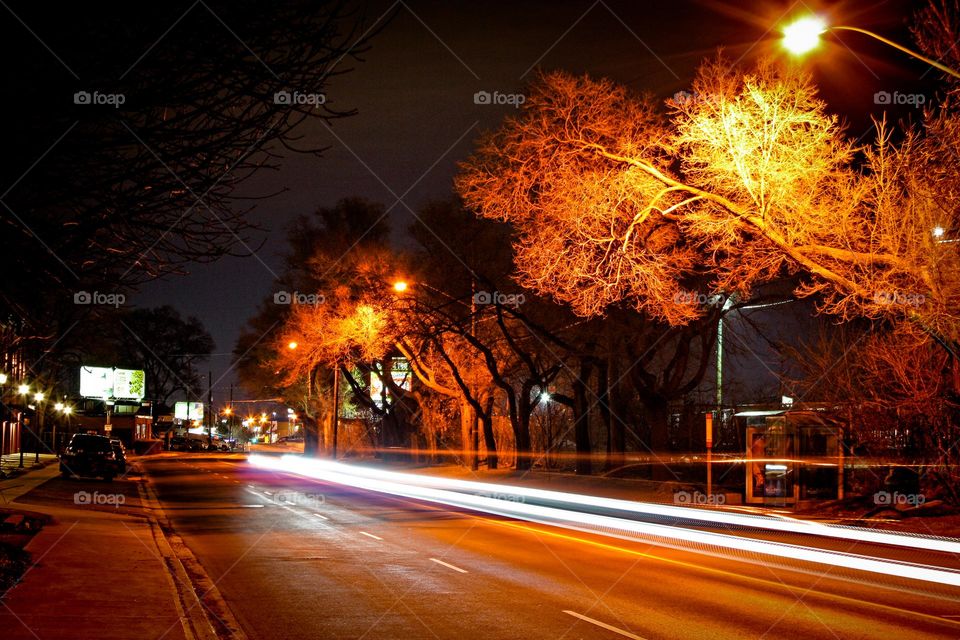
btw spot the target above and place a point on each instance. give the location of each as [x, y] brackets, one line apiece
[204, 613]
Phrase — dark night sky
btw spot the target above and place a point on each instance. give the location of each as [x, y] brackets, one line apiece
[417, 117]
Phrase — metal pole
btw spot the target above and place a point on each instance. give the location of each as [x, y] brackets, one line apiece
[336, 408]
[474, 418]
[20, 435]
[209, 409]
[709, 456]
[38, 434]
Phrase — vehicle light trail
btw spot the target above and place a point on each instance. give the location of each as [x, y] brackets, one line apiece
[710, 543]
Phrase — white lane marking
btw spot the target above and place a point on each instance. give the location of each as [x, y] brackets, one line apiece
[604, 625]
[370, 535]
[290, 503]
[449, 566]
[267, 493]
[251, 486]
[321, 517]
[252, 506]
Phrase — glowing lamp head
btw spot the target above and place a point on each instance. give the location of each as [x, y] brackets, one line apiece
[292, 344]
[68, 410]
[400, 286]
[39, 396]
[938, 232]
[803, 35]
[23, 389]
[58, 406]
[3, 378]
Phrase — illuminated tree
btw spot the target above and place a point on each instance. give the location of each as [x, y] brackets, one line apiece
[748, 179]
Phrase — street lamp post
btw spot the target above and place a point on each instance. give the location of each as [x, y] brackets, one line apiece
[4, 412]
[803, 35]
[39, 397]
[23, 390]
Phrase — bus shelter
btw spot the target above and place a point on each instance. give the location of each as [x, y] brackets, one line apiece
[792, 456]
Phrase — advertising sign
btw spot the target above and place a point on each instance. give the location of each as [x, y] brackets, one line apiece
[188, 411]
[112, 383]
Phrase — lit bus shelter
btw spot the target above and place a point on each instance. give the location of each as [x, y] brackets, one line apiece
[792, 456]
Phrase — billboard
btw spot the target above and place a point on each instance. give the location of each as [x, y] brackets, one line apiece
[112, 383]
[188, 411]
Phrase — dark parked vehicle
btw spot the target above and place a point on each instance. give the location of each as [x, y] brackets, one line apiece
[120, 452]
[89, 455]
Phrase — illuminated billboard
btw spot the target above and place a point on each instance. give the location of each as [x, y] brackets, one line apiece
[112, 383]
[188, 411]
[400, 372]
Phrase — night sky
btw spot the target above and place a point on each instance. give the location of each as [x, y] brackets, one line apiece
[417, 117]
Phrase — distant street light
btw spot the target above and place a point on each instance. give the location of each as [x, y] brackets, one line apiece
[23, 389]
[292, 344]
[400, 286]
[803, 35]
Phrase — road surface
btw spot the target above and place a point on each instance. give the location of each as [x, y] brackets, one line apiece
[298, 558]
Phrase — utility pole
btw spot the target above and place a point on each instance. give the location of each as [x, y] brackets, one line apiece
[209, 409]
[474, 418]
[336, 408]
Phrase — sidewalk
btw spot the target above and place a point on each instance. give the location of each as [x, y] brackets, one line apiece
[10, 463]
[97, 571]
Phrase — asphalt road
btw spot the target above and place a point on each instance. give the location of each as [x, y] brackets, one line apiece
[297, 558]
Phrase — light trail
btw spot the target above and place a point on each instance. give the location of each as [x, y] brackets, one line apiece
[441, 490]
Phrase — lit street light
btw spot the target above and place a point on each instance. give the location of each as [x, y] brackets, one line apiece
[803, 35]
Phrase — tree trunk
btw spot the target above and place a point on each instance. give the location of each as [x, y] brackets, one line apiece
[311, 436]
[486, 419]
[581, 418]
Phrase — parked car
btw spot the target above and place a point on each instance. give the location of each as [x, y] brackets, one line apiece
[89, 455]
[120, 452]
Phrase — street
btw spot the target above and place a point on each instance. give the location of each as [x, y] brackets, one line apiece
[296, 558]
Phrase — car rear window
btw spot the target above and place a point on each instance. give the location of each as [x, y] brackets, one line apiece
[90, 443]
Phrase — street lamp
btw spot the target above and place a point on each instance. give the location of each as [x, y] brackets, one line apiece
[803, 35]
